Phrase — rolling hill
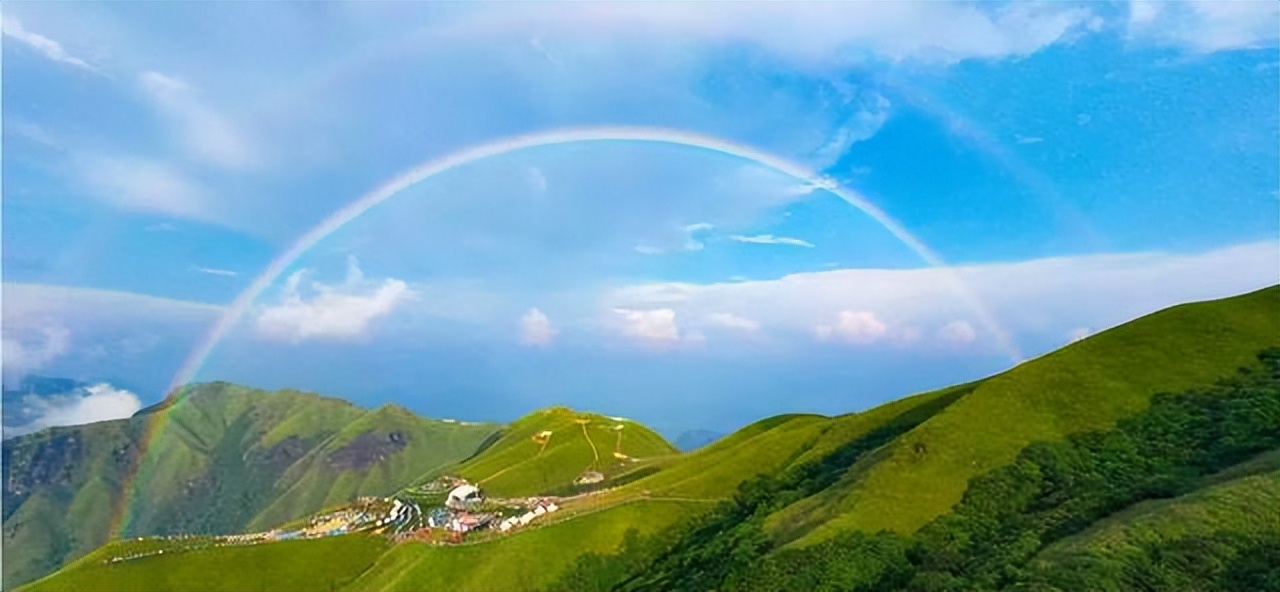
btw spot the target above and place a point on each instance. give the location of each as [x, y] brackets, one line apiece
[1155, 437]
[546, 451]
[221, 455]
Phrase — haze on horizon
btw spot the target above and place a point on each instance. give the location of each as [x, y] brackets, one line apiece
[1074, 165]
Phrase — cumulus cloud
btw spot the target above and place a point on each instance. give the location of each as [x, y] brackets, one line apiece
[1039, 300]
[536, 328]
[854, 327]
[654, 326]
[333, 312]
[957, 333]
[205, 136]
[769, 239]
[1205, 25]
[100, 402]
[29, 350]
[732, 321]
[45, 46]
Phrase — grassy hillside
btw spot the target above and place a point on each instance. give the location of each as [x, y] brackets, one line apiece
[518, 464]
[1200, 438]
[321, 564]
[528, 560]
[317, 481]
[1230, 529]
[1084, 386]
[219, 457]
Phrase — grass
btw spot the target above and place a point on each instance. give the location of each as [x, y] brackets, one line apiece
[320, 564]
[528, 560]
[516, 465]
[311, 483]
[1248, 504]
[1087, 385]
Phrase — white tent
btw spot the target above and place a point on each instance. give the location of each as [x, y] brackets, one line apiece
[462, 495]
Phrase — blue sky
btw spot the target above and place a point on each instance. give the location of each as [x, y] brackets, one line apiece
[1073, 165]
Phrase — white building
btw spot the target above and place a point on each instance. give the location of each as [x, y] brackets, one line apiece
[463, 495]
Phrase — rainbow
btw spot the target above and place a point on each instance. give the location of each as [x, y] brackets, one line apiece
[240, 306]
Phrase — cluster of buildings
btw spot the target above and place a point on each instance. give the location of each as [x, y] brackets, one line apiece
[539, 508]
[465, 510]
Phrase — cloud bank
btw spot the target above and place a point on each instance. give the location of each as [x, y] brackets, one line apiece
[91, 404]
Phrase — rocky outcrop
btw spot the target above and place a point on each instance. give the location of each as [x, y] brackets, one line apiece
[367, 449]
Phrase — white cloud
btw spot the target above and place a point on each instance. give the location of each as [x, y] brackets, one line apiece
[47, 47]
[100, 402]
[861, 125]
[26, 351]
[732, 321]
[143, 185]
[958, 333]
[1142, 12]
[340, 312]
[656, 326]
[26, 304]
[821, 32]
[854, 327]
[769, 239]
[1039, 299]
[206, 136]
[1206, 25]
[213, 271]
[1021, 139]
[536, 328]
[108, 333]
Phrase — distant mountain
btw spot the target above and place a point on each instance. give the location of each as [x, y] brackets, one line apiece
[219, 456]
[1143, 457]
[695, 439]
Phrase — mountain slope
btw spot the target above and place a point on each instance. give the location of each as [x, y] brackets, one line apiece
[1087, 385]
[216, 459]
[519, 463]
[1229, 528]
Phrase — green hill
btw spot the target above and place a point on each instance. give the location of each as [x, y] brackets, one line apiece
[1087, 385]
[1230, 529]
[545, 451]
[1168, 425]
[224, 455]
